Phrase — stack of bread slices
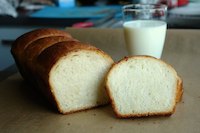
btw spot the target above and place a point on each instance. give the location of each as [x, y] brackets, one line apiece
[75, 76]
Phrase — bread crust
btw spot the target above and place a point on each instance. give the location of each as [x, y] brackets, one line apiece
[23, 41]
[179, 91]
[36, 47]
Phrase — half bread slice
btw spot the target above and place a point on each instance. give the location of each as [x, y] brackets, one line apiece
[143, 86]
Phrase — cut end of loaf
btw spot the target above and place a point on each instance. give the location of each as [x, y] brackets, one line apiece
[142, 86]
[69, 73]
[77, 80]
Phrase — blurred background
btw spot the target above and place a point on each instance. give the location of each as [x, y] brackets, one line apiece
[90, 13]
[20, 16]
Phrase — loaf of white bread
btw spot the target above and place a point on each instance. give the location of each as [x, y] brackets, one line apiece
[69, 73]
[143, 86]
[75, 76]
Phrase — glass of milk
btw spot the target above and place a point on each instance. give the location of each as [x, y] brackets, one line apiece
[145, 28]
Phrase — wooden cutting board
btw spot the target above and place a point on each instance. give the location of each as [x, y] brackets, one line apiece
[23, 110]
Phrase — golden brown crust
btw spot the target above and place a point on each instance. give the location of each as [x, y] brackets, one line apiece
[23, 41]
[144, 114]
[36, 47]
[178, 93]
[179, 90]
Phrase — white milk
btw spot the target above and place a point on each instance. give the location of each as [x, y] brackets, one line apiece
[145, 37]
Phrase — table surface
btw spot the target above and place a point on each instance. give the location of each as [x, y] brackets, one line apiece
[23, 110]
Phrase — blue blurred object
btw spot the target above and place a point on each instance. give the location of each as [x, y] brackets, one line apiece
[65, 3]
[77, 12]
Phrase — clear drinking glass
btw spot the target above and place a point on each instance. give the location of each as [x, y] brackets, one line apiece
[145, 28]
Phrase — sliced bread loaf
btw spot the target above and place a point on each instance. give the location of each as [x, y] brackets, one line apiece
[143, 86]
[70, 74]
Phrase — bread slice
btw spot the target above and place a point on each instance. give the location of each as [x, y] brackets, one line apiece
[72, 74]
[143, 86]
